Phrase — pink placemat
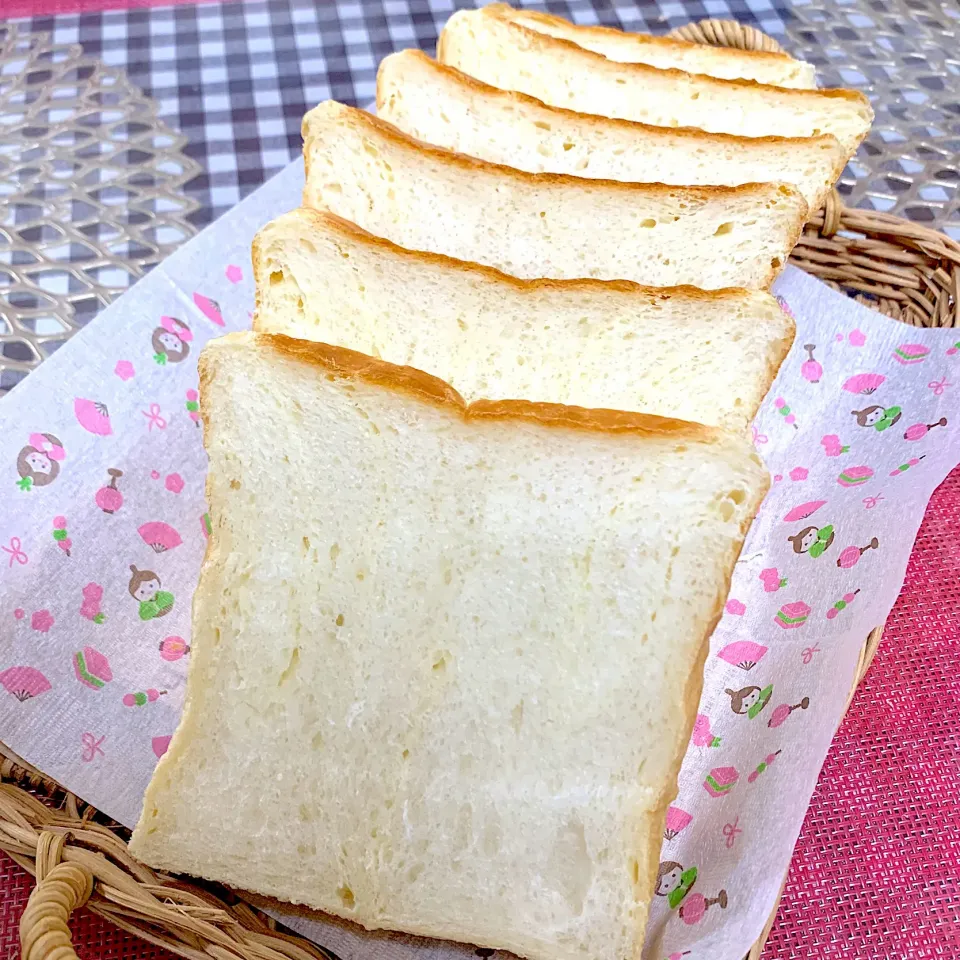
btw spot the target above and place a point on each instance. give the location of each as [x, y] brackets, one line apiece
[875, 871]
[874, 874]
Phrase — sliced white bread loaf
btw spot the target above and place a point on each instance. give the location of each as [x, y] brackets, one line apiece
[544, 225]
[777, 69]
[446, 659]
[495, 49]
[442, 105]
[708, 357]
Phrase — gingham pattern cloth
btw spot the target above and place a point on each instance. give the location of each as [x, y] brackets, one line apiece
[236, 78]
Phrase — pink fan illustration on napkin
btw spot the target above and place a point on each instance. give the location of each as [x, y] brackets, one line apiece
[24, 682]
[677, 821]
[159, 536]
[744, 654]
[919, 430]
[209, 308]
[804, 510]
[93, 417]
[863, 383]
[160, 745]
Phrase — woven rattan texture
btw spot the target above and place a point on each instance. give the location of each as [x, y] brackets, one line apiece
[93, 937]
[875, 873]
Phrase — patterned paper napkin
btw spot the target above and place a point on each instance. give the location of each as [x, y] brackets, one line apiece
[103, 526]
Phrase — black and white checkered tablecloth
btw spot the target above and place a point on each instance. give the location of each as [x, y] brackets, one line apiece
[236, 78]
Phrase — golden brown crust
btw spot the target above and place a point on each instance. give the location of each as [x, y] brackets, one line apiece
[598, 62]
[641, 39]
[487, 91]
[331, 111]
[692, 692]
[331, 223]
[339, 362]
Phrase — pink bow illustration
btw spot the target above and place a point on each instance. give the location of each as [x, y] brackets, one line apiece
[53, 450]
[174, 326]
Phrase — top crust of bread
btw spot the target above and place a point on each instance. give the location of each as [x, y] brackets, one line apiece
[341, 362]
[361, 119]
[546, 41]
[595, 119]
[812, 163]
[598, 66]
[348, 227]
[342, 141]
[621, 39]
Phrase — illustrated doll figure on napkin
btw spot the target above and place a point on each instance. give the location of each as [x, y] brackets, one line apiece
[145, 587]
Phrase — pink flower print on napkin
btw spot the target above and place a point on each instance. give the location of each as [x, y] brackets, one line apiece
[771, 579]
[832, 446]
[174, 482]
[90, 608]
[124, 370]
[42, 621]
[233, 273]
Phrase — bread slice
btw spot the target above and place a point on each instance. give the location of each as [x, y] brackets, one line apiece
[495, 49]
[446, 659]
[777, 69]
[543, 225]
[442, 105]
[709, 357]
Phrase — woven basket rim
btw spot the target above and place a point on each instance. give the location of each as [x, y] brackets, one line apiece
[904, 270]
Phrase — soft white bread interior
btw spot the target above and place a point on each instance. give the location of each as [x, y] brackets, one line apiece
[442, 105]
[544, 225]
[495, 49]
[708, 357]
[446, 660]
[727, 63]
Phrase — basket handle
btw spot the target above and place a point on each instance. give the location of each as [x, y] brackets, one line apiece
[61, 888]
[726, 33]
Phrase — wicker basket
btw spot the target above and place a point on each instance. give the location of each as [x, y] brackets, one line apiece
[908, 272]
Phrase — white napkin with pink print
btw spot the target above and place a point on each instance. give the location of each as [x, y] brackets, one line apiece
[103, 526]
